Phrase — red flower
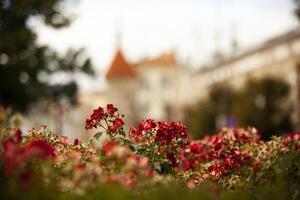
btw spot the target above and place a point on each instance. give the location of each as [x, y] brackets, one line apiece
[135, 132]
[167, 131]
[94, 120]
[107, 147]
[99, 114]
[40, 149]
[17, 136]
[195, 147]
[171, 157]
[186, 165]
[111, 110]
[147, 125]
[13, 155]
[291, 139]
[135, 135]
[76, 142]
[116, 125]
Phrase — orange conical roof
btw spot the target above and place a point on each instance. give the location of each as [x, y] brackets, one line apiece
[120, 68]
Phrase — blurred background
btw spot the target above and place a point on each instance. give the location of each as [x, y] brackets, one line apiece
[209, 63]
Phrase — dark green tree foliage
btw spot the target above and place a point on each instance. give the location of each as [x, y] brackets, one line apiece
[265, 105]
[297, 10]
[202, 120]
[24, 65]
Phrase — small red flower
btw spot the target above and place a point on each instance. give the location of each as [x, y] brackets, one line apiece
[116, 125]
[167, 131]
[94, 120]
[13, 155]
[195, 147]
[111, 110]
[107, 147]
[186, 165]
[76, 141]
[135, 135]
[17, 136]
[147, 125]
[64, 139]
[40, 149]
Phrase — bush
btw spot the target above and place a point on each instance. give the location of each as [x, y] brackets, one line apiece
[156, 160]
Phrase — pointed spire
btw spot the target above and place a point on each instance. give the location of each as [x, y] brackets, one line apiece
[120, 68]
[118, 35]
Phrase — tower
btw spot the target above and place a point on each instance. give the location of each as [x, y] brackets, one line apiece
[121, 86]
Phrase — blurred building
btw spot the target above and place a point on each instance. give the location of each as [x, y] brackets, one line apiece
[278, 57]
[161, 88]
[147, 89]
[157, 87]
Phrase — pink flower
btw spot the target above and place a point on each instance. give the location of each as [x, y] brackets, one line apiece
[64, 139]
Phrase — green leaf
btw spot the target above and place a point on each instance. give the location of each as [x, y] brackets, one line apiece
[122, 132]
[98, 135]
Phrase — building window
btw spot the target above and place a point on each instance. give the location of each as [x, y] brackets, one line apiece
[144, 84]
[168, 112]
[165, 82]
[144, 108]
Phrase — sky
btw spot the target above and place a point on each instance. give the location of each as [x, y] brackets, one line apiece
[194, 29]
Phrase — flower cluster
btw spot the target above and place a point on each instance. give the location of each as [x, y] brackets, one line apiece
[163, 133]
[134, 167]
[232, 158]
[107, 118]
[291, 140]
[79, 164]
[223, 154]
[16, 153]
[163, 139]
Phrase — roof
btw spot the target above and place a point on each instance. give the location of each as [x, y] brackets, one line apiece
[120, 68]
[166, 59]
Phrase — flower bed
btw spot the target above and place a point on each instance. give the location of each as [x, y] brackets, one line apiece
[147, 158]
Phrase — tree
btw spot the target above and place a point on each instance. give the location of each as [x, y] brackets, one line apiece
[210, 114]
[24, 65]
[265, 105]
[297, 10]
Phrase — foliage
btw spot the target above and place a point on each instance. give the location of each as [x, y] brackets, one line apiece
[297, 9]
[258, 100]
[265, 99]
[207, 116]
[24, 65]
[157, 160]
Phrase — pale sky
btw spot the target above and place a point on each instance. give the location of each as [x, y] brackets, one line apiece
[193, 28]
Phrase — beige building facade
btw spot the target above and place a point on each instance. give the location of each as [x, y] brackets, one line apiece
[278, 57]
